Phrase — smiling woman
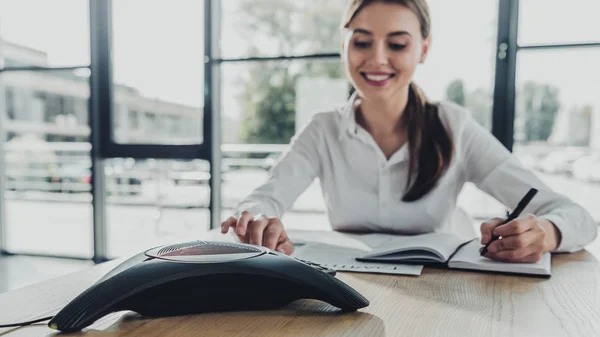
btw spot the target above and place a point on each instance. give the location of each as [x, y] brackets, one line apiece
[383, 45]
[389, 160]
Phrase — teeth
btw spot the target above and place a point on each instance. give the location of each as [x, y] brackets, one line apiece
[377, 78]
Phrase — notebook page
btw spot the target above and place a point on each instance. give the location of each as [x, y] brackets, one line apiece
[468, 258]
[443, 244]
[344, 259]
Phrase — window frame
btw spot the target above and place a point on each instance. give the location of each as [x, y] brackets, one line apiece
[102, 107]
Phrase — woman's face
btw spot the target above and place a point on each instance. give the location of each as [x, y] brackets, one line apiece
[382, 48]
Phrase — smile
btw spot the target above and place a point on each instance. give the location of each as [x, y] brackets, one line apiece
[377, 79]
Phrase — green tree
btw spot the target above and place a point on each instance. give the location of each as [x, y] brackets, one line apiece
[479, 103]
[455, 92]
[292, 28]
[540, 106]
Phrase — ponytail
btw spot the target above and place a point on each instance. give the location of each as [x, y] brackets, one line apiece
[430, 145]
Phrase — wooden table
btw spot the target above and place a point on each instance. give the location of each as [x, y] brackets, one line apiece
[437, 303]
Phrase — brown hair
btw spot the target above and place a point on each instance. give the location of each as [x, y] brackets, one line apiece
[430, 145]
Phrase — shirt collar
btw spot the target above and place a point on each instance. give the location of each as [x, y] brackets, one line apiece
[349, 127]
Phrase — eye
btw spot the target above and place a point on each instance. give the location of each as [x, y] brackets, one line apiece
[397, 46]
[362, 45]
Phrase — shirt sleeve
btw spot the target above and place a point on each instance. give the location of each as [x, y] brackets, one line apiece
[295, 170]
[496, 171]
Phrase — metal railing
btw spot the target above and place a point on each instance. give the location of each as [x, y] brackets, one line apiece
[61, 171]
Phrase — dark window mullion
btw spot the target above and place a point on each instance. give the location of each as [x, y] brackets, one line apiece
[212, 106]
[506, 62]
[100, 115]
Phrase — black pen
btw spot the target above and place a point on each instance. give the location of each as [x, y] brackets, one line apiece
[515, 213]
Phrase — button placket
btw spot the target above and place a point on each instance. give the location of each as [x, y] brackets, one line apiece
[384, 189]
[381, 192]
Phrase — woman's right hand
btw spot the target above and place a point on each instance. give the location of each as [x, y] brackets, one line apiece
[262, 231]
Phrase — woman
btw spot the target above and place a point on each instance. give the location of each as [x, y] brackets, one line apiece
[391, 161]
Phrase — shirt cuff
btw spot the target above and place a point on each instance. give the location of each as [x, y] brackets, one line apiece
[566, 242]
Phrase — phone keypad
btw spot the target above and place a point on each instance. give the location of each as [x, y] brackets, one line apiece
[318, 267]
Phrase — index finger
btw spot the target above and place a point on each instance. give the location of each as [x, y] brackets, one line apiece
[230, 222]
[517, 226]
[487, 228]
[242, 223]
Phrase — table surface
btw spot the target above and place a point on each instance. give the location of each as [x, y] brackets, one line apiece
[437, 303]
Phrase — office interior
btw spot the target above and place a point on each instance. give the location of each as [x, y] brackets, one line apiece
[131, 124]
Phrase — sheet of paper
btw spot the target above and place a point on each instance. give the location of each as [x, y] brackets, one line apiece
[343, 259]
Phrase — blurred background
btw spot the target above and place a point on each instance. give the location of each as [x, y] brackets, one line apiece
[181, 107]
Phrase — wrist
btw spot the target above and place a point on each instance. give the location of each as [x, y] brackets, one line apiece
[553, 236]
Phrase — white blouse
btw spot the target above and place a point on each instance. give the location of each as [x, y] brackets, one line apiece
[363, 190]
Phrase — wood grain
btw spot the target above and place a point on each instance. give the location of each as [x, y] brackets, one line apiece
[437, 303]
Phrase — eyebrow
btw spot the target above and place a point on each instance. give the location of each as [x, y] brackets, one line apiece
[397, 33]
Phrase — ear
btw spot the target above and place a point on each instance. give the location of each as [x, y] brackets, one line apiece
[425, 48]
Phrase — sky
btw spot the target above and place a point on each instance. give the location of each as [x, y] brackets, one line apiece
[159, 50]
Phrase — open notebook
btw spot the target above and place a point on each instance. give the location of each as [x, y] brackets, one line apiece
[450, 250]
[435, 248]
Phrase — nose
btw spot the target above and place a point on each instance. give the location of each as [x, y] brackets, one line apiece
[379, 54]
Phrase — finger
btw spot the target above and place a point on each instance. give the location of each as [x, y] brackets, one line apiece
[285, 245]
[244, 238]
[517, 226]
[256, 230]
[513, 255]
[225, 225]
[242, 223]
[487, 228]
[272, 233]
[514, 241]
[516, 257]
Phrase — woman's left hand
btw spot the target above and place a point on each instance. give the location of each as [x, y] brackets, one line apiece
[523, 240]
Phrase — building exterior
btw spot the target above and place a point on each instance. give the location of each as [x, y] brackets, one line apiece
[54, 106]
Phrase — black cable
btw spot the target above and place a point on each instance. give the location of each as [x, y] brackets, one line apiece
[14, 325]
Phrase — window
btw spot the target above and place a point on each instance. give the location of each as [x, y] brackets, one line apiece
[272, 101]
[154, 202]
[558, 22]
[133, 120]
[280, 27]
[461, 61]
[159, 67]
[174, 123]
[10, 103]
[45, 33]
[47, 167]
[557, 122]
[267, 102]
[158, 74]
[149, 122]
